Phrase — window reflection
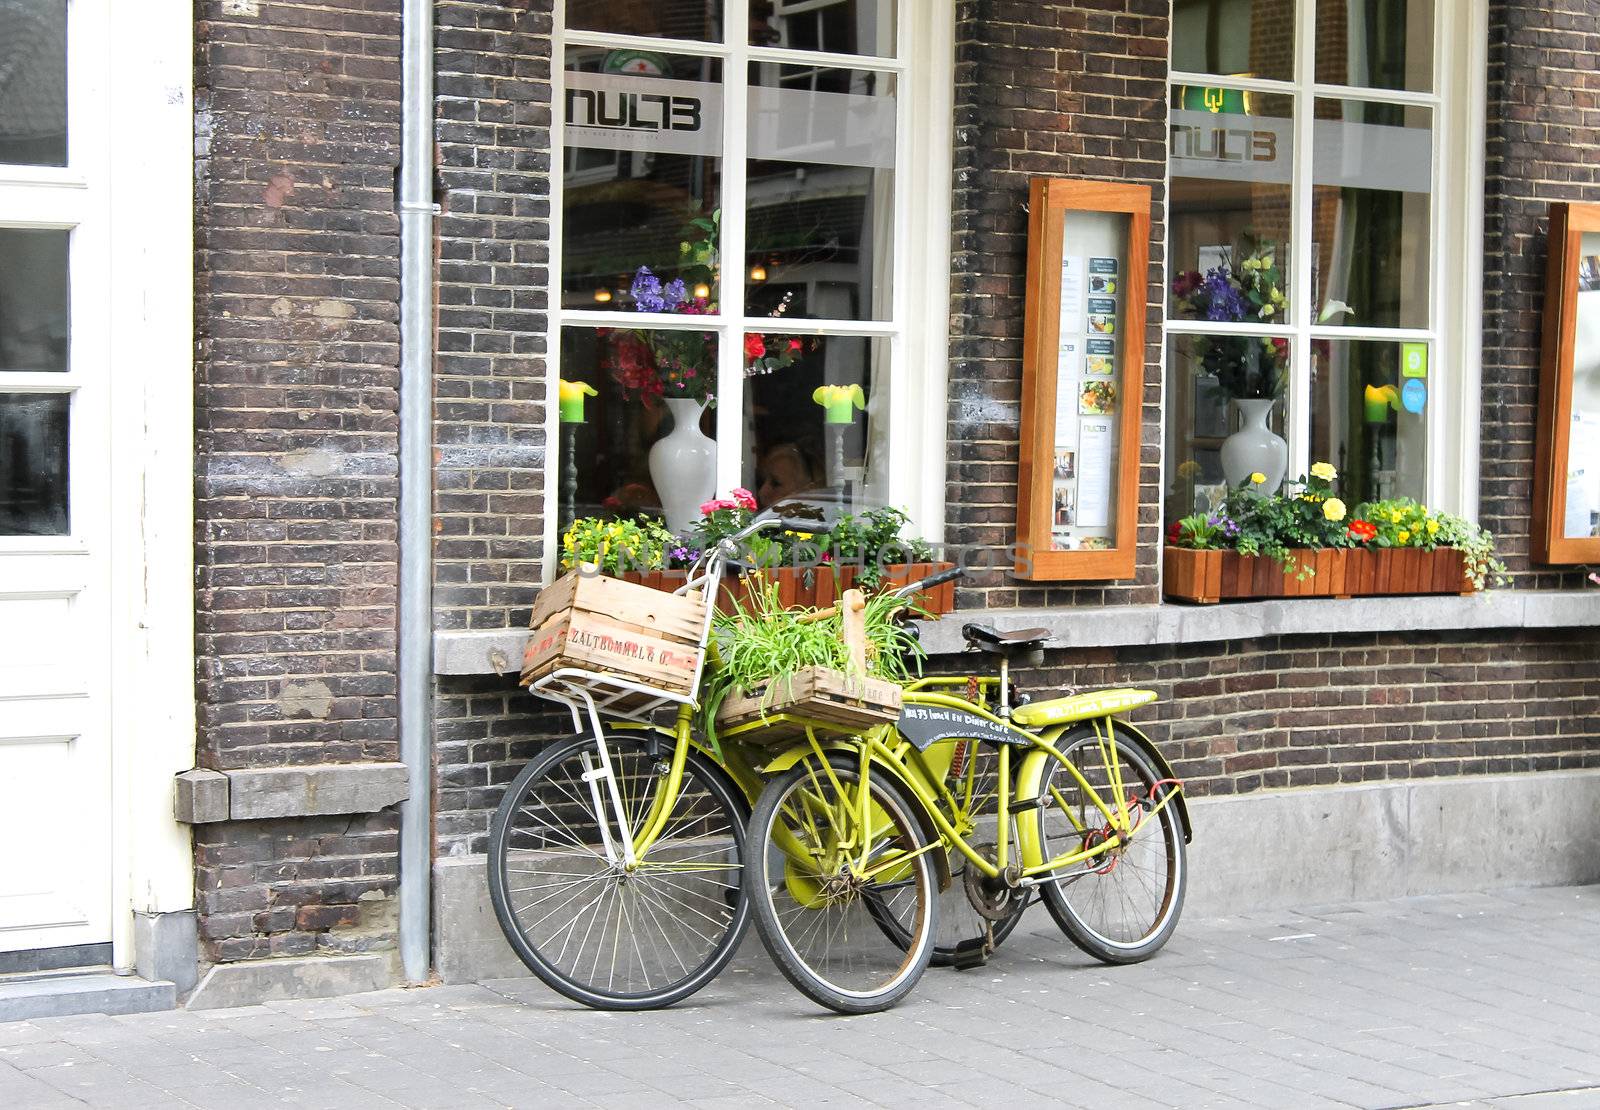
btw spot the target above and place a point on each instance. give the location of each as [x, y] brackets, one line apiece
[820, 188]
[1377, 44]
[641, 176]
[33, 464]
[33, 82]
[670, 19]
[34, 306]
[836, 26]
[1373, 174]
[1368, 416]
[1232, 163]
[816, 415]
[1236, 38]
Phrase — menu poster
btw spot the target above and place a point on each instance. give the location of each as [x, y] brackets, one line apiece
[1086, 401]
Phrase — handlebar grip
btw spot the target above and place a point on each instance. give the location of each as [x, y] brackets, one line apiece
[931, 581]
[795, 524]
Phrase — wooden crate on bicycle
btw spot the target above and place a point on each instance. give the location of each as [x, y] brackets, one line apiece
[822, 696]
[590, 621]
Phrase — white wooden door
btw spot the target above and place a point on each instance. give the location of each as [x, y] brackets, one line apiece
[55, 759]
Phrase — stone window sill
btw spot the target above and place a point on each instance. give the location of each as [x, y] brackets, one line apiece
[499, 651]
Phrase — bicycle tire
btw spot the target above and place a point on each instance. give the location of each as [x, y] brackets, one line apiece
[1163, 884]
[698, 907]
[887, 972]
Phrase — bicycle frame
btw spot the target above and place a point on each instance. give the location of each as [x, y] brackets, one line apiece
[925, 778]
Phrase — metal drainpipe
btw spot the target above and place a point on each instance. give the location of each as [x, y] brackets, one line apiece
[415, 616]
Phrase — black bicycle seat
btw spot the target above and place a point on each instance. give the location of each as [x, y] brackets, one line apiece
[1020, 641]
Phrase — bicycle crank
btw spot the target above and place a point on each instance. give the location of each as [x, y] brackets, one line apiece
[993, 899]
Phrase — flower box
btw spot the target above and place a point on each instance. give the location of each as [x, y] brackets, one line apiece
[815, 587]
[1206, 577]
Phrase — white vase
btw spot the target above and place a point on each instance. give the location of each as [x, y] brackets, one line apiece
[683, 464]
[1255, 448]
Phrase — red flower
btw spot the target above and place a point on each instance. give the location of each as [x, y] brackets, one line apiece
[744, 498]
[1174, 531]
[1361, 530]
[795, 345]
[754, 345]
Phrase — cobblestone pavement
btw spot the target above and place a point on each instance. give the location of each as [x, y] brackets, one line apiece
[1479, 1000]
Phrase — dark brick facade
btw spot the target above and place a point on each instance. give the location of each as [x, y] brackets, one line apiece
[297, 248]
[1543, 129]
[1073, 89]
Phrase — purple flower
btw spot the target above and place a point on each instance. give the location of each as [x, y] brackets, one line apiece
[1223, 300]
[676, 293]
[646, 291]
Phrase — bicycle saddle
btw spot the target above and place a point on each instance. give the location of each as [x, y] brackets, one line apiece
[1022, 641]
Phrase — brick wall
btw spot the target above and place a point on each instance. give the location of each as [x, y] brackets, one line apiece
[1543, 130]
[1073, 88]
[493, 97]
[297, 125]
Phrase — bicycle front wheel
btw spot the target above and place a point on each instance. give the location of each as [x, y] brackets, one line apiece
[821, 879]
[602, 933]
[1122, 906]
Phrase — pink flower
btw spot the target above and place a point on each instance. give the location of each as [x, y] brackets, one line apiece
[717, 503]
[744, 498]
[754, 345]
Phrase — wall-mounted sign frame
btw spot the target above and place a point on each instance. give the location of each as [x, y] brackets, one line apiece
[1566, 481]
[1082, 380]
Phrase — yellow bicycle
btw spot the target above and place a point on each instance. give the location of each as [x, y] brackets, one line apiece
[973, 802]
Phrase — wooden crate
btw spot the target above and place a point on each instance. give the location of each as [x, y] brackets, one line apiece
[842, 702]
[594, 622]
[1210, 576]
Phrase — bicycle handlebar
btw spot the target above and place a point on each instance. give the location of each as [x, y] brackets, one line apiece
[931, 581]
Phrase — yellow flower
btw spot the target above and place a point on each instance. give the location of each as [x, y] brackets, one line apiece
[1396, 516]
[1433, 527]
[1258, 478]
[1403, 536]
[1333, 509]
[1324, 470]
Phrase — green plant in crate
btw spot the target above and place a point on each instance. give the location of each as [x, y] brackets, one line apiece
[1402, 522]
[762, 645]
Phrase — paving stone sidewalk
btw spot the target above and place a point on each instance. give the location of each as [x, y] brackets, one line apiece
[1479, 1000]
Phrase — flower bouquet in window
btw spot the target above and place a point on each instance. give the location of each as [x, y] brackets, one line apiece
[1247, 290]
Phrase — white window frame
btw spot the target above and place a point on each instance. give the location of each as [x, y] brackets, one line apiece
[1455, 326]
[917, 328]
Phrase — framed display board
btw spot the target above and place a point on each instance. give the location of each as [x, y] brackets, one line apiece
[1566, 481]
[1082, 380]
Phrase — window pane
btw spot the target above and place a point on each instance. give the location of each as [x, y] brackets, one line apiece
[1237, 38]
[1377, 44]
[641, 176]
[1373, 178]
[669, 19]
[636, 432]
[1583, 439]
[816, 417]
[33, 82]
[1232, 163]
[820, 191]
[837, 26]
[34, 313]
[1219, 385]
[33, 464]
[1369, 416]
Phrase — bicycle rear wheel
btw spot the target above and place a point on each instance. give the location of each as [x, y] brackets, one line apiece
[600, 933]
[1121, 907]
[819, 882]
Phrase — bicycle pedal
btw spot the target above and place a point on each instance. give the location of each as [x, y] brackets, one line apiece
[970, 954]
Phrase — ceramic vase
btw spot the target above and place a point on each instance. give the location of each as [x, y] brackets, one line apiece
[1255, 448]
[683, 464]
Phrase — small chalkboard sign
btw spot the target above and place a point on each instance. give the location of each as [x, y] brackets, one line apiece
[927, 725]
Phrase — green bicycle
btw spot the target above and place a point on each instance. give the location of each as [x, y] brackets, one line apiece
[857, 844]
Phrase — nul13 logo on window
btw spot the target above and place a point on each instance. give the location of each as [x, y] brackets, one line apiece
[629, 111]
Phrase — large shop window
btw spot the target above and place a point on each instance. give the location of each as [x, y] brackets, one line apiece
[746, 224]
[1318, 245]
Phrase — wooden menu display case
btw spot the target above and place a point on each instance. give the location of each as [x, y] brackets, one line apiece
[1082, 380]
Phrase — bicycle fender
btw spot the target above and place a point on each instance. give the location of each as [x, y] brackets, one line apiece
[793, 755]
[1031, 774]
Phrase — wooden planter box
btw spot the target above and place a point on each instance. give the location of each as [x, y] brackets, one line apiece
[815, 586]
[604, 624]
[847, 704]
[1210, 576]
